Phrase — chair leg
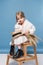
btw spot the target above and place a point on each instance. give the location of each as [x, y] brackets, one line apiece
[36, 61]
[35, 55]
[7, 62]
[20, 63]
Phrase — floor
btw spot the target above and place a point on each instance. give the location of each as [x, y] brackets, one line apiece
[3, 58]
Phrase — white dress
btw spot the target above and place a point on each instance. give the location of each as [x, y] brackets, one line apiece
[27, 26]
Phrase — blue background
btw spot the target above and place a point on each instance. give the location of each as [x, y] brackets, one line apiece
[33, 10]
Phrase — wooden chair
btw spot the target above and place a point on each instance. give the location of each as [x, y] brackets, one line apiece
[26, 56]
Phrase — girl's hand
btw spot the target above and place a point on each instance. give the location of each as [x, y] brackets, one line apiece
[26, 33]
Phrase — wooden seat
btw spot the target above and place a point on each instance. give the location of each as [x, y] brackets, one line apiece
[26, 56]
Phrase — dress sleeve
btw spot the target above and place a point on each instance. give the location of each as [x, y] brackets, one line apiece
[31, 28]
[18, 27]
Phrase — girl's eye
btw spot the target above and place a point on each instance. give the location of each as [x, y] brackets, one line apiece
[17, 18]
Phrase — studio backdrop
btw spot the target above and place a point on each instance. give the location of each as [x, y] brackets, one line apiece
[33, 10]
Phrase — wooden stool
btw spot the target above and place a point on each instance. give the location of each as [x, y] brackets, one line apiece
[26, 56]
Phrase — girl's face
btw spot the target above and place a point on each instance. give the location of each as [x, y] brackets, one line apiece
[20, 20]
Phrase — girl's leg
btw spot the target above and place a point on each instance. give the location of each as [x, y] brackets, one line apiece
[12, 49]
[19, 53]
[19, 46]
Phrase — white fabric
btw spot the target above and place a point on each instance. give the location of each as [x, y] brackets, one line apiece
[17, 27]
[27, 26]
[20, 40]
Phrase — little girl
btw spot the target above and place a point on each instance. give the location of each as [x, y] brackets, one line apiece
[25, 27]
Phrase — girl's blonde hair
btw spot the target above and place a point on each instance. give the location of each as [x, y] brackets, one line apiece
[21, 14]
